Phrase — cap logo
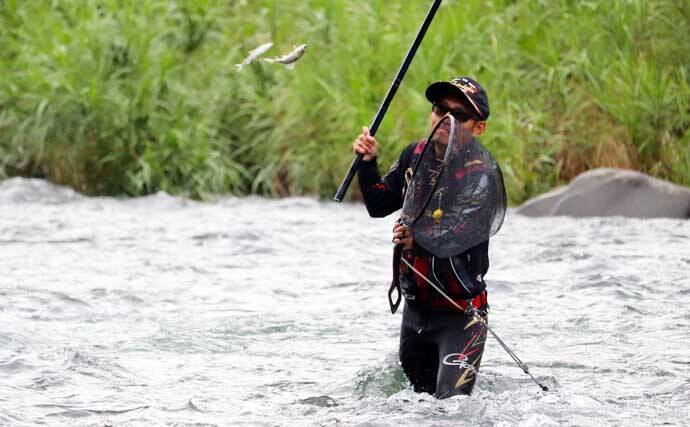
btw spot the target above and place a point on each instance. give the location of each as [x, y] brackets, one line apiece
[465, 86]
[470, 90]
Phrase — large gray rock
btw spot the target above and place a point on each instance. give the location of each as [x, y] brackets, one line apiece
[613, 192]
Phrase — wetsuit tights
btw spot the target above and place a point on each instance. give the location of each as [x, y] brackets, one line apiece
[441, 351]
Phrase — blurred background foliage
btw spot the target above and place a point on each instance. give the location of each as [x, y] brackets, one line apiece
[127, 97]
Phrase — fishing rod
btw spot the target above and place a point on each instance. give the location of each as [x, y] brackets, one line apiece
[345, 184]
[475, 314]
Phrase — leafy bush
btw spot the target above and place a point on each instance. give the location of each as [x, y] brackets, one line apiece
[128, 97]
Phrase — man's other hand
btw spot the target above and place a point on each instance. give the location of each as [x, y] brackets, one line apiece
[402, 236]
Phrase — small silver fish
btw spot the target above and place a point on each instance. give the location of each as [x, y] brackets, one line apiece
[289, 59]
[253, 54]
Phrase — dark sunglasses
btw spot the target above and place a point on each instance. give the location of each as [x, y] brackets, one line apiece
[460, 114]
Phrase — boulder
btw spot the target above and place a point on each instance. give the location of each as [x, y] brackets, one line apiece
[613, 192]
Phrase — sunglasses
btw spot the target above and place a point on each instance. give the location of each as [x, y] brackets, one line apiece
[459, 113]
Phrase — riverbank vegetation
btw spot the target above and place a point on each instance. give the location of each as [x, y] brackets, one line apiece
[128, 97]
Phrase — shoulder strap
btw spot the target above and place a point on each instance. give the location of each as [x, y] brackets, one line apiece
[408, 158]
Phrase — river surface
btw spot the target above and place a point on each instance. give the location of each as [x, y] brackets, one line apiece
[248, 311]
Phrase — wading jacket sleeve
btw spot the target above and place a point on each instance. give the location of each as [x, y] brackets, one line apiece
[383, 196]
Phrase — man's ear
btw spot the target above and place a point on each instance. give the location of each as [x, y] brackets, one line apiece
[479, 128]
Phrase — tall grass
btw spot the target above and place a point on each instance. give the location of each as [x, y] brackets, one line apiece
[129, 97]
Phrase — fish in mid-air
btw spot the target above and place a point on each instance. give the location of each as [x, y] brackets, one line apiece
[253, 54]
[289, 59]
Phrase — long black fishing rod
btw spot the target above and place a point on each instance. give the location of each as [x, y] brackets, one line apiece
[340, 194]
[475, 314]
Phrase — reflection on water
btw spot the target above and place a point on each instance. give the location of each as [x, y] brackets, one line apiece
[160, 310]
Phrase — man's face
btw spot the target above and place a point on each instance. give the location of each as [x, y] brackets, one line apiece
[448, 105]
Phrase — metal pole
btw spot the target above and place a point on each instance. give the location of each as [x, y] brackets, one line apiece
[340, 194]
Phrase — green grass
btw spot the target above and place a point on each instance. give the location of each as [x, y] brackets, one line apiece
[129, 97]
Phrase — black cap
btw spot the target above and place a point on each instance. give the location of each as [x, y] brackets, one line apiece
[463, 88]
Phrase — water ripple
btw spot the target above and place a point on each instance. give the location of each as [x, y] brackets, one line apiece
[165, 311]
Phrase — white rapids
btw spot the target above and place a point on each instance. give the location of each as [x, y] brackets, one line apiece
[248, 311]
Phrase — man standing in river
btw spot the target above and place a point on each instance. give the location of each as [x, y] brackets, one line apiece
[440, 345]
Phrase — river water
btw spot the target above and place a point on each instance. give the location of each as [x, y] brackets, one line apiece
[247, 311]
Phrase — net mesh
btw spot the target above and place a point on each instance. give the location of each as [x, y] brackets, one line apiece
[456, 198]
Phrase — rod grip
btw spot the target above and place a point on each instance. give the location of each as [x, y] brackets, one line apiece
[340, 194]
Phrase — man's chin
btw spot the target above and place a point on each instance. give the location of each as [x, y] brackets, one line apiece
[441, 140]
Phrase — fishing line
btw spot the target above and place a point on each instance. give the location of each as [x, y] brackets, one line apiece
[475, 314]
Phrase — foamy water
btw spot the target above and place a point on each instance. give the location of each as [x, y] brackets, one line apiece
[247, 311]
